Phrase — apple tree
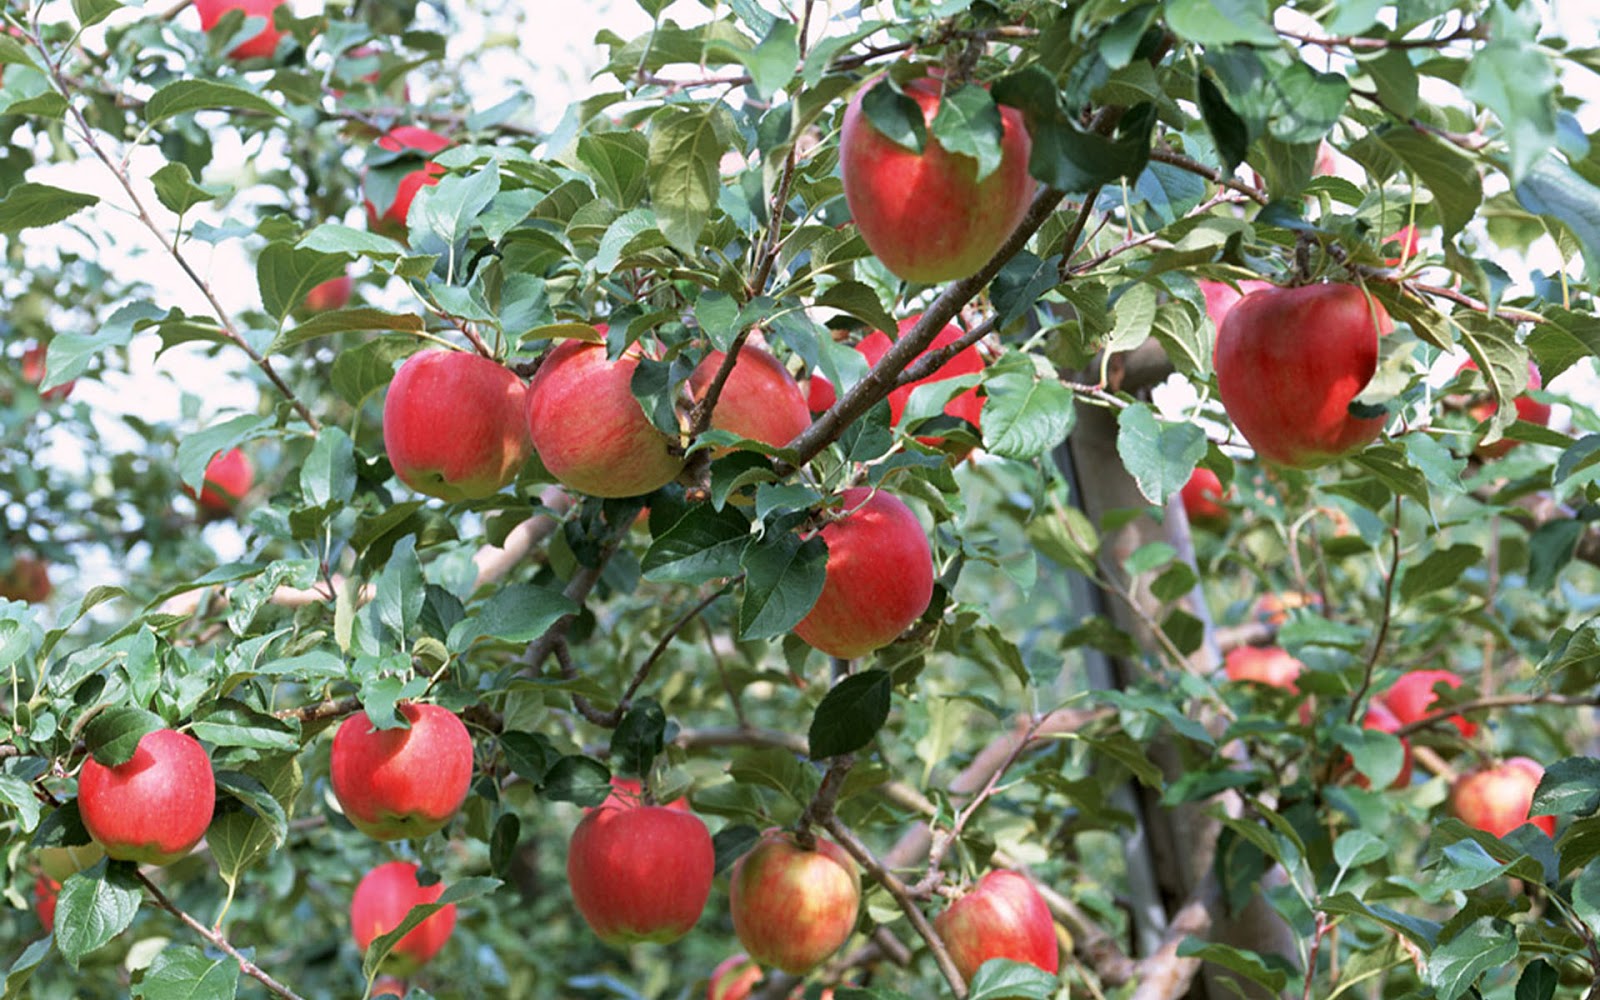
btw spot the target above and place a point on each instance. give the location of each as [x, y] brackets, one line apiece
[978, 498]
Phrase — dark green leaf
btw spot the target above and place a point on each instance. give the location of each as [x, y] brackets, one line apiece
[113, 735]
[783, 577]
[1160, 456]
[638, 738]
[95, 906]
[578, 779]
[28, 206]
[183, 96]
[850, 714]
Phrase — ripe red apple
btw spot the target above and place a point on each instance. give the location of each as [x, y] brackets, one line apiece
[1528, 409]
[1002, 917]
[453, 425]
[380, 903]
[400, 784]
[154, 807]
[967, 406]
[1274, 609]
[760, 401]
[1379, 717]
[228, 478]
[925, 215]
[1412, 697]
[391, 221]
[1408, 240]
[879, 576]
[589, 429]
[1269, 665]
[261, 45]
[1496, 799]
[33, 372]
[733, 978]
[330, 295]
[1201, 498]
[791, 907]
[640, 873]
[820, 395]
[1289, 362]
[27, 580]
[45, 890]
[1221, 296]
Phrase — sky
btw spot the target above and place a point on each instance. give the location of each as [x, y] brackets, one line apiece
[548, 44]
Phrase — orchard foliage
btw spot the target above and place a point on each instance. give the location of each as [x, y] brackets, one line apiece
[1059, 707]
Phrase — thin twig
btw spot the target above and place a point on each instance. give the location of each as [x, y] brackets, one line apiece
[613, 718]
[217, 940]
[1358, 703]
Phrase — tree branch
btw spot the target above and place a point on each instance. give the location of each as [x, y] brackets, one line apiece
[217, 940]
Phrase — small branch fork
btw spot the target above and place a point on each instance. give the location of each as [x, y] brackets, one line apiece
[120, 172]
[218, 941]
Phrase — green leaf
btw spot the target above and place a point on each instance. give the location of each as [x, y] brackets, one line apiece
[1004, 979]
[1021, 283]
[968, 124]
[333, 237]
[91, 12]
[1221, 22]
[1309, 103]
[1238, 960]
[195, 451]
[95, 906]
[1450, 175]
[850, 714]
[1513, 76]
[531, 755]
[29, 206]
[1440, 569]
[444, 213]
[784, 577]
[360, 371]
[1160, 456]
[230, 723]
[1025, 415]
[399, 596]
[17, 795]
[639, 738]
[686, 147]
[1570, 787]
[240, 838]
[519, 613]
[1586, 897]
[1551, 548]
[460, 892]
[772, 63]
[183, 972]
[1539, 981]
[895, 116]
[1064, 154]
[329, 471]
[1554, 190]
[1355, 848]
[285, 274]
[1486, 943]
[16, 980]
[732, 842]
[184, 96]
[113, 735]
[858, 299]
[577, 779]
[176, 189]
[617, 162]
[1228, 130]
[704, 544]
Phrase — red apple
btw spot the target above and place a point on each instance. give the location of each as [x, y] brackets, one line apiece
[589, 429]
[733, 978]
[1002, 917]
[879, 576]
[381, 902]
[640, 873]
[1289, 362]
[1221, 296]
[45, 890]
[27, 580]
[926, 215]
[228, 478]
[261, 45]
[391, 221]
[1201, 498]
[1496, 799]
[1379, 717]
[1412, 697]
[33, 372]
[820, 395]
[330, 295]
[402, 784]
[760, 401]
[154, 807]
[791, 907]
[1528, 409]
[453, 425]
[1269, 665]
[967, 406]
[1408, 241]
